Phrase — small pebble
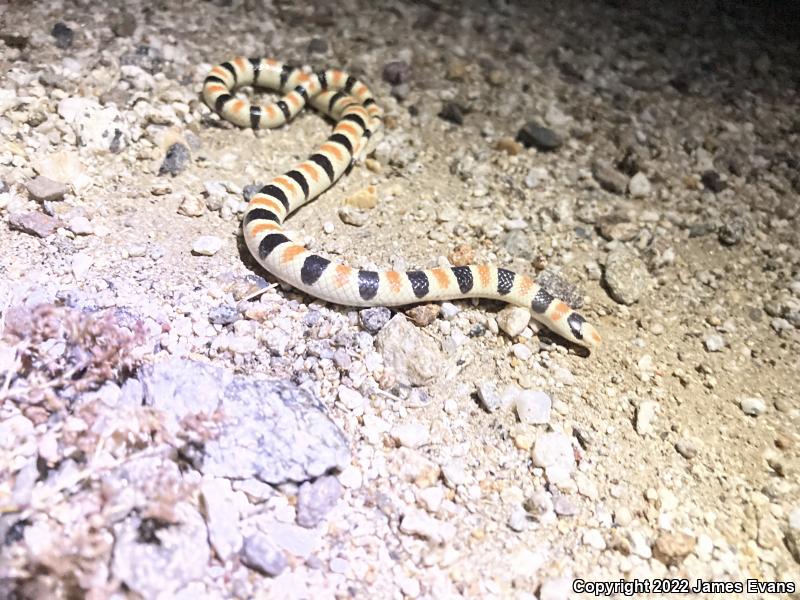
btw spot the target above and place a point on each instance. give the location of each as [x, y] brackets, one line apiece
[452, 112]
[353, 216]
[350, 398]
[43, 189]
[137, 250]
[518, 519]
[487, 393]
[80, 226]
[712, 181]
[396, 72]
[192, 206]
[34, 223]
[553, 449]
[423, 314]
[339, 565]
[594, 539]
[411, 435]
[81, 263]
[315, 499]
[564, 507]
[63, 34]
[672, 547]
[317, 46]
[513, 320]
[522, 352]
[686, 448]
[639, 186]
[456, 69]
[175, 160]
[431, 498]
[753, 407]
[364, 198]
[373, 319]
[714, 342]
[416, 522]
[731, 232]
[454, 473]
[206, 245]
[259, 553]
[535, 176]
[223, 314]
[123, 24]
[533, 408]
[508, 145]
[556, 589]
[448, 310]
[609, 178]
[645, 415]
[625, 275]
[542, 138]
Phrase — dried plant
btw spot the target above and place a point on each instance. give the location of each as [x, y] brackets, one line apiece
[60, 349]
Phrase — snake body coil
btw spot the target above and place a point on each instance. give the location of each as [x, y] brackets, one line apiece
[350, 103]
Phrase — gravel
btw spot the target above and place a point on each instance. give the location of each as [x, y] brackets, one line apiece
[609, 178]
[234, 437]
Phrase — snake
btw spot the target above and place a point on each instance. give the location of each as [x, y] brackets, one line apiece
[348, 102]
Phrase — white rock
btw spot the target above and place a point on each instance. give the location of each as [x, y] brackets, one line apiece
[416, 522]
[411, 435]
[593, 538]
[533, 407]
[487, 393]
[555, 117]
[191, 206]
[65, 167]
[753, 407]
[8, 99]
[794, 519]
[521, 351]
[523, 561]
[564, 376]
[99, 128]
[513, 320]
[553, 449]
[70, 108]
[645, 414]
[350, 398]
[448, 310]
[714, 342]
[454, 473]
[704, 547]
[222, 517]
[646, 368]
[431, 498]
[81, 263]
[639, 186]
[556, 589]
[639, 545]
[351, 478]
[207, 245]
[409, 586]
[81, 226]
[242, 344]
[535, 176]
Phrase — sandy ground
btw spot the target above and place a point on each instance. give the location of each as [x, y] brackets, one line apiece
[670, 201]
